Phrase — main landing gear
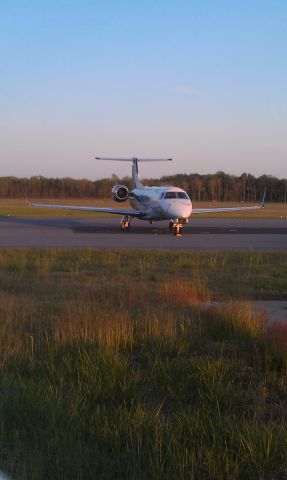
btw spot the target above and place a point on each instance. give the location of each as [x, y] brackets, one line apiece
[125, 223]
[176, 226]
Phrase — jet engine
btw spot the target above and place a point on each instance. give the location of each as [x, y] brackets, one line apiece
[120, 193]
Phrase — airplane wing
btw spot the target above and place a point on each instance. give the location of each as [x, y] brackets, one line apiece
[132, 213]
[229, 209]
[222, 210]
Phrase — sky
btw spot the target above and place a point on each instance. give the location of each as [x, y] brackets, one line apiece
[201, 81]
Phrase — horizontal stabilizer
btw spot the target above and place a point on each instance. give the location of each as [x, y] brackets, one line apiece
[135, 158]
[135, 177]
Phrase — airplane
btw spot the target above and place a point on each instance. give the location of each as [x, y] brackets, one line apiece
[151, 203]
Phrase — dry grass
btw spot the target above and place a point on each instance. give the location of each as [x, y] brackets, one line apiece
[110, 370]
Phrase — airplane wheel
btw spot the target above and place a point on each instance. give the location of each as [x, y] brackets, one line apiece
[125, 227]
[177, 231]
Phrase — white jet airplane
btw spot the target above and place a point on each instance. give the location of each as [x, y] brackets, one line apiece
[151, 203]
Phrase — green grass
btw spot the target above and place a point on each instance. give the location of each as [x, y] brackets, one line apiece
[220, 276]
[21, 208]
[112, 367]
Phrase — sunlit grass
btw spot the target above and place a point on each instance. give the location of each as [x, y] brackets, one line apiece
[116, 365]
[22, 208]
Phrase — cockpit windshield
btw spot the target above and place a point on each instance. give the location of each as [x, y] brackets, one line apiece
[176, 195]
[182, 195]
[170, 195]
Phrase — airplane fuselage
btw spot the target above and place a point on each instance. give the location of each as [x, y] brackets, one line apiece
[161, 203]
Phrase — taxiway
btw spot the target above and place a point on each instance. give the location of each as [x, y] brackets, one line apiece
[201, 234]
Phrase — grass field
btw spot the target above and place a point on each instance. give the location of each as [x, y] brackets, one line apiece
[21, 208]
[112, 367]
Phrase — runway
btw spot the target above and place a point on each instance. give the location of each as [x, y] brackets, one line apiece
[201, 234]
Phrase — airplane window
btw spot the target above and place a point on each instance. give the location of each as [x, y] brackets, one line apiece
[170, 195]
[182, 195]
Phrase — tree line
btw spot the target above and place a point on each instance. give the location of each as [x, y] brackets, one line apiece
[212, 187]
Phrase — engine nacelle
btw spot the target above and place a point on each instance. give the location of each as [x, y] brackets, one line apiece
[120, 193]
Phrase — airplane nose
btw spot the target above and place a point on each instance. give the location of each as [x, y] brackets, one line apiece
[182, 210]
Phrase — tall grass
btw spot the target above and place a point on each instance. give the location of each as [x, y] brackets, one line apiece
[111, 370]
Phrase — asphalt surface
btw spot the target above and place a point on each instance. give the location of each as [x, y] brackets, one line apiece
[201, 234]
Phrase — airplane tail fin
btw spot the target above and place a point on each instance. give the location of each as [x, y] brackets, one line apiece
[136, 183]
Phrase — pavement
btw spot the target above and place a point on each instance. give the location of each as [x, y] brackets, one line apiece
[273, 310]
[201, 234]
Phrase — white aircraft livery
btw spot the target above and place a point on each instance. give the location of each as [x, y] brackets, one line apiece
[151, 203]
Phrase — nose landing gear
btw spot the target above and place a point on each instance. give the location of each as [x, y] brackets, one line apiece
[176, 226]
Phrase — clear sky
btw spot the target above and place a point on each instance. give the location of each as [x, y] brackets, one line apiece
[203, 81]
